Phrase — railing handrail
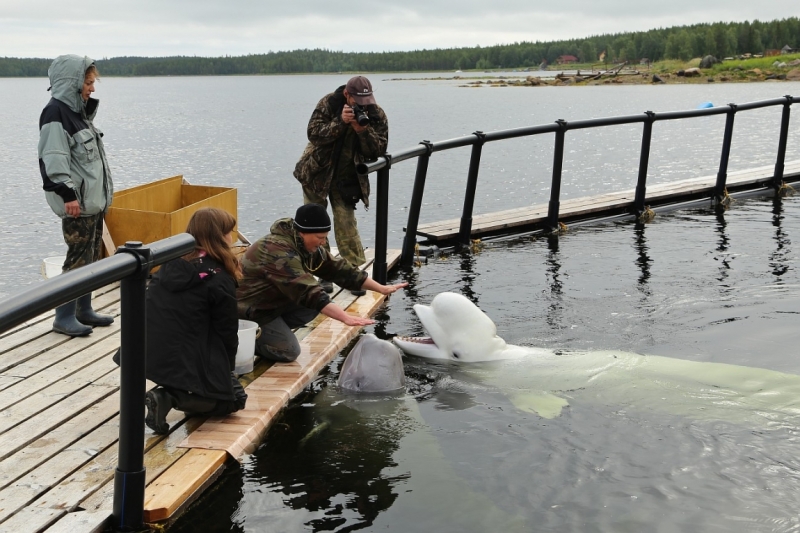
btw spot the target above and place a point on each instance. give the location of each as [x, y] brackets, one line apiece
[424, 150]
[65, 287]
[498, 135]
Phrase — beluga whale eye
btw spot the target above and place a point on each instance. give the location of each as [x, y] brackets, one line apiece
[456, 356]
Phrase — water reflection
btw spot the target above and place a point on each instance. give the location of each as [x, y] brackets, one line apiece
[330, 460]
[467, 267]
[779, 259]
[723, 244]
[555, 295]
[643, 260]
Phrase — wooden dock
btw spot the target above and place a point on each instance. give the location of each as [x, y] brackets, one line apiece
[59, 421]
[534, 217]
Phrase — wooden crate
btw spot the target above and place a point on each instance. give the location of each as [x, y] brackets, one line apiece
[160, 209]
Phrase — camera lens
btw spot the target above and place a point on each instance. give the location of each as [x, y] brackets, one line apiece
[361, 115]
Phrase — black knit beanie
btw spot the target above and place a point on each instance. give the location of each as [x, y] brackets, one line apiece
[312, 218]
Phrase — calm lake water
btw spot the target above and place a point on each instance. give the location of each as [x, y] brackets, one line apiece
[248, 132]
[454, 453]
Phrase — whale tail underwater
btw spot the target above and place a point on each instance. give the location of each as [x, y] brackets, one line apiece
[545, 382]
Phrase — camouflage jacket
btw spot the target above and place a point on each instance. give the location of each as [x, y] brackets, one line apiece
[279, 271]
[325, 133]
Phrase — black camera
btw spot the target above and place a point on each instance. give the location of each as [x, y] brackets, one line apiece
[361, 115]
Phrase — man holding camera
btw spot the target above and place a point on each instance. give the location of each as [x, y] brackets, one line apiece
[346, 128]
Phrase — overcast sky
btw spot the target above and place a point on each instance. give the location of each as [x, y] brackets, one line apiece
[110, 28]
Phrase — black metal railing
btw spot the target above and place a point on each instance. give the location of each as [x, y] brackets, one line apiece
[131, 265]
[425, 149]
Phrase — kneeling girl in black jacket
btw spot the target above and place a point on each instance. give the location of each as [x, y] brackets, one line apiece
[192, 327]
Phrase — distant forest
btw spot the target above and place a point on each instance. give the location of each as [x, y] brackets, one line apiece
[680, 42]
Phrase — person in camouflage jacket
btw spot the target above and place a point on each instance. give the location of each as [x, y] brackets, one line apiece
[279, 289]
[337, 143]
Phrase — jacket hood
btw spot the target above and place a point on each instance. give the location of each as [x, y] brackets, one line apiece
[66, 75]
[180, 275]
[285, 228]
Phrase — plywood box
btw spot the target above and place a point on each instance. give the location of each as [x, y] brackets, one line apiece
[161, 209]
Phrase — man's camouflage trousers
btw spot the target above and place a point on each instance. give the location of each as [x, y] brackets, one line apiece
[84, 238]
[345, 226]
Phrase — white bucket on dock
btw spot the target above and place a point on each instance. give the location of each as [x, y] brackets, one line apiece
[51, 266]
[248, 333]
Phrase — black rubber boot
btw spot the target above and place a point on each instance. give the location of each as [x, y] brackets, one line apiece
[358, 292]
[159, 403]
[86, 315]
[327, 286]
[66, 322]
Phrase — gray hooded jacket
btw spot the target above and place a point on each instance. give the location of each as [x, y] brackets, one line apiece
[72, 159]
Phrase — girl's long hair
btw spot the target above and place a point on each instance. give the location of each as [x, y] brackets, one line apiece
[209, 226]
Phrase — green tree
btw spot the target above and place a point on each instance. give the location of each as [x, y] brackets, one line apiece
[588, 52]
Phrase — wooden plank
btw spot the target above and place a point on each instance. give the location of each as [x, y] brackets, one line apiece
[65, 368]
[160, 453]
[97, 473]
[34, 340]
[584, 206]
[69, 387]
[65, 496]
[179, 483]
[38, 451]
[33, 428]
[83, 522]
[35, 483]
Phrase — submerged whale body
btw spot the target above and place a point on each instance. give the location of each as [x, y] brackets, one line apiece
[545, 382]
[373, 365]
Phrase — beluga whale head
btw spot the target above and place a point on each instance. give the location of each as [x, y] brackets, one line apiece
[459, 331]
[373, 365]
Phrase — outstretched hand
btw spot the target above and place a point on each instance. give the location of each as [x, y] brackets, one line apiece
[389, 289]
[352, 320]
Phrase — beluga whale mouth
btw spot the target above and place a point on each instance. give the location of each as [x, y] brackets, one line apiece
[458, 331]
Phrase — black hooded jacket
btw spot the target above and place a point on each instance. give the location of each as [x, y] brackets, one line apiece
[192, 328]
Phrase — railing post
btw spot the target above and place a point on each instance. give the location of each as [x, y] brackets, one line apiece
[555, 188]
[129, 478]
[644, 161]
[382, 223]
[410, 239]
[720, 196]
[777, 178]
[465, 230]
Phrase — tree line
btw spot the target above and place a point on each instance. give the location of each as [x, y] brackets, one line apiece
[721, 39]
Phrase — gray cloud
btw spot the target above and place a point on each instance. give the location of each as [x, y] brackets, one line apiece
[211, 28]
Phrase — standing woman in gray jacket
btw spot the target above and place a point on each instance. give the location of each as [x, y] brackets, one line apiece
[76, 178]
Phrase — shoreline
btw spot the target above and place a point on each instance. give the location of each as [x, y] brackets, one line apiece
[562, 79]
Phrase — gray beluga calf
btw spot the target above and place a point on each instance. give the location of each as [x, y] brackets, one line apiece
[373, 365]
[544, 382]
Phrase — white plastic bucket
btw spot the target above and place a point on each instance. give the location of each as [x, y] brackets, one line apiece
[51, 266]
[248, 333]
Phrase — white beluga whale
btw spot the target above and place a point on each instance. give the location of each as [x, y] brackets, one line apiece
[545, 382]
[373, 365]
[459, 331]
